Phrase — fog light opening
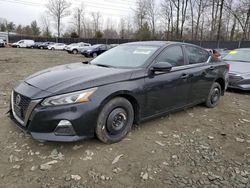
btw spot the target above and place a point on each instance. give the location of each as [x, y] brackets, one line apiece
[64, 128]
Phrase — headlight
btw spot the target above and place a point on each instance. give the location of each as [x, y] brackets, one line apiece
[70, 98]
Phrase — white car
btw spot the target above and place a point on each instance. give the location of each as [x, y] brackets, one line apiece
[57, 46]
[23, 44]
[76, 48]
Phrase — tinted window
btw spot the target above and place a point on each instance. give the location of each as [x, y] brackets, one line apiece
[196, 55]
[172, 55]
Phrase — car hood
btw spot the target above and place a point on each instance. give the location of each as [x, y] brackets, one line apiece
[76, 76]
[239, 67]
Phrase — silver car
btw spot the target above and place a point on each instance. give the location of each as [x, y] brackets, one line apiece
[239, 74]
[76, 48]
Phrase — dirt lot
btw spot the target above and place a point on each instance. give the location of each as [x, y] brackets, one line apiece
[198, 147]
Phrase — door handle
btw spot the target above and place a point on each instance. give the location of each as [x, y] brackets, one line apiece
[184, 76]
[211, 67]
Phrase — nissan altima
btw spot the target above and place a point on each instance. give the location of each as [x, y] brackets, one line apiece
[124, 86]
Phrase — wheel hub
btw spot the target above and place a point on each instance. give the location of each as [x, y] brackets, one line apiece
[215, 95]
[116, 121]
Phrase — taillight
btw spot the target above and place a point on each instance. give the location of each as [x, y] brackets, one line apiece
[228, 66]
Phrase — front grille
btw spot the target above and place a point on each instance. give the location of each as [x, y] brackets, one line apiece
[20, 105]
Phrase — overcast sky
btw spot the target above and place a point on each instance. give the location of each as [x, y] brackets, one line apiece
[25, 11]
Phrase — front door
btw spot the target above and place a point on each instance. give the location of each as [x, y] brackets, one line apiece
[167, 91]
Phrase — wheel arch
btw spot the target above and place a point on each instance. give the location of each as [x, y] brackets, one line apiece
[130, 97]
[222, 83]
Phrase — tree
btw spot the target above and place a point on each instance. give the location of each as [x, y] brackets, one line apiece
[151, 11]
[58, 9]
[144, 32]
[98, 34]
[78, 17]
[45, 22]
[35, 29]
[140, 13]
[96, 18]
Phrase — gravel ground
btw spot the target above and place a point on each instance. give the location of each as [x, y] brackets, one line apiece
[198, 147]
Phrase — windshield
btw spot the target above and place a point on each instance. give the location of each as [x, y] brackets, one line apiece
[126, 56]
[238, 55]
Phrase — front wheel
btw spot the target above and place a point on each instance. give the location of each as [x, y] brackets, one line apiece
[214, 96]
[115, 120]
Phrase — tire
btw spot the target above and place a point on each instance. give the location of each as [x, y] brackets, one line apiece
[41, 47]
[18, 46]
[214, 95]
[94, 55]
[115, 120]
[75, 51]
[52, 49]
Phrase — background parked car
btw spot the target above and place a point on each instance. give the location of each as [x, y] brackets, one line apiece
[45, 45]
[36, 45]
[57, 46]
[2, 43]
[95, 50]
[112, 45]
[23, 44]
[239, 74]
[76, 48]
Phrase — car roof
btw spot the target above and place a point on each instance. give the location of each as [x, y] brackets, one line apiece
[160, 43]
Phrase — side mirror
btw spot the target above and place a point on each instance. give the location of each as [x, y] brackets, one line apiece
[161, 67]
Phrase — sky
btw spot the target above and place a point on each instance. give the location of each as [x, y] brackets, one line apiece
[25, 11]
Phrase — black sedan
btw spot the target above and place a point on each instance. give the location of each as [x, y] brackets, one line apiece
[95, 50]
[36, 45]
[124, 86]
[44, 45]
[239, 75]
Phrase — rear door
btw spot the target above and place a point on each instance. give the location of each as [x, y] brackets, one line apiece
[201, 71]
[167, 91]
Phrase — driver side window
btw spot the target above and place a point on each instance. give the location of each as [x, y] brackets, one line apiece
[172, 55]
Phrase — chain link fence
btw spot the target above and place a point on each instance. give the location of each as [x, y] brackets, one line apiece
[230, 45]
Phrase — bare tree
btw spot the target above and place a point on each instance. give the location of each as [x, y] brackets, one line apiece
[78, 17]
[151, 11]
[166, 14]
[58, 9]
[183, 14]
[220, 19]
[46, 24]
[140, 13]
[96, 18]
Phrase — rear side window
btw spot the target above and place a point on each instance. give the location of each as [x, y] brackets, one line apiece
[196, 55]
[172, 55]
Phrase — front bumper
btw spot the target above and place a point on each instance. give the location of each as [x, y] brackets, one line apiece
[239, 82]
[43, 122]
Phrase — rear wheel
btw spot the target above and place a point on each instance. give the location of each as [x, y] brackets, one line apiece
[41, 47]
[115, 120]
[52, 48]
[94, 55]
[214, 96]
[75, 51]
